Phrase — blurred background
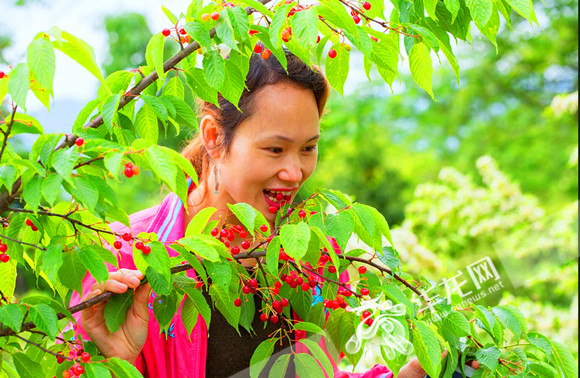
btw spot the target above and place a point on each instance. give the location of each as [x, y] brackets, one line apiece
[488, 170]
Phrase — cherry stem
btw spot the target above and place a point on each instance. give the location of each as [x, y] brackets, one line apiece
[8, 131]
[21, 242]
[42, 348]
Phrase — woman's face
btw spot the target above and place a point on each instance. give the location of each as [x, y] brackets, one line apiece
[273, 151]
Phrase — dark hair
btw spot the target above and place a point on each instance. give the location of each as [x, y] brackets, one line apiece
[262, 72]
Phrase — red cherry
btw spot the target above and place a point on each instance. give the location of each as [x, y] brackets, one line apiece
[235, 250]
[332, 54]
[283, 277]
[252, 32]
[331, 269]
[78, 369]
[364, 291]
[299, 333]
[127, 236]
[366, 5]
[275, 291]
[302, 214]
[29, 222]
[362, 269]
[273, 209]
[284, 302]
[231, 235]
[263, 228]
[299, 280]
[246, 289]
[258, 48]
[224, 233]
[253, 283]
[85, 357]
[3, 247]
[274, 319]
[237, 302]
[227, 244]
[215, 16]
[34, 228]
[2, 75]
[366, 314]
[117, 244]
[59, 360]
[263, 317]
[182, 31]
[293, 284]
[215, 232]
[243, 234]
[270, 238]
[356, 19]
[4, 258]
[277, 284]
[146, 250]
[277, 306]
[245, 244]
[312, 283]
[128, 172]
[166, 32]
[305, 286]
[139, 245]
[369, 322]
[317, 39]
[324, 259]
[79, 142]
[265, 55]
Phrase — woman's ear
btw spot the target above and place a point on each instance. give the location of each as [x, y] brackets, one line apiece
[210, 131]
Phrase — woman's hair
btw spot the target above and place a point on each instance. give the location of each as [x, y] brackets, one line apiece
[262, 72]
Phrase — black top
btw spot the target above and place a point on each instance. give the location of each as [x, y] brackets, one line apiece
[228, 354]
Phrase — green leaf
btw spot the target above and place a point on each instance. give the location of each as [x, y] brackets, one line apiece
[18, 84]
[214, 69]
[421, 67]
[563, 360]
[488, 357]
[84, 114]
[309, 327]
[240, 21]
[258, 6]
[335, 12]
[430, 6]
[453, 7]
[41, 62]
[51, 187]
[524, 8]
[480, 11]
[185, 115]
[198, 301]
[279, 367]
[542, 369]
[78, 50]
[96, 370]
[245, 214]
[44, 317]
[336, 69]
[427, 348]
[122, 368]
[32, 193]
[260, 357]
[174, 87]
[541, 342]
[306, 366]
[199, 34]
[225, 30]
[196, 80]
[113, 161]
[200, 246]
[272, 255]
[277, 23]
[189, 315]
[174, 20]
[295, 238]
[234, 84]
[385, 55]
[162, 165]
[318, 354]
[509, 320]
[12, 315]
[199, 221]
[154, 54]
[26, 367]
[457, 324]
[427, 36]
[146, 124]
[390, 258]
[85, 192]
[164, 308]
[109, 111]
[72, 272]
[223, 303]
[92, 260]
[116, 310]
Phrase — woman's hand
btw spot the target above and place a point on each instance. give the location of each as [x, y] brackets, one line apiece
[127, 342]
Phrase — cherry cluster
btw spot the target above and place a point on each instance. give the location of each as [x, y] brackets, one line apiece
[131, 170]
[3, 256]
[228, 234]
[78, 355]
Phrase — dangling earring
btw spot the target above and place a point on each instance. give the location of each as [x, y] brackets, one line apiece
[215, 174]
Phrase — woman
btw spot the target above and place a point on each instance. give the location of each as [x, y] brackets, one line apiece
[251, 157]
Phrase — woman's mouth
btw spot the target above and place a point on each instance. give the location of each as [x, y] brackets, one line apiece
[277, 198]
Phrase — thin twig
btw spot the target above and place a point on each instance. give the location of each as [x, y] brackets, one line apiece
[21, 242]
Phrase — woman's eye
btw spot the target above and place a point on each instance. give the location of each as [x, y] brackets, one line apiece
[275, 150]
[311, 148]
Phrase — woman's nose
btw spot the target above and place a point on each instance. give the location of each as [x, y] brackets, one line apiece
[291, 171]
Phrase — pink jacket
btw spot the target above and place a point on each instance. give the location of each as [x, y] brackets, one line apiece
[173, 355]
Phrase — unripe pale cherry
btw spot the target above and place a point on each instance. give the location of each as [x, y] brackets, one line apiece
[205, 17]
[265, 55]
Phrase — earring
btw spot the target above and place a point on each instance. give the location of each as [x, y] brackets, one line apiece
[215, 174]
